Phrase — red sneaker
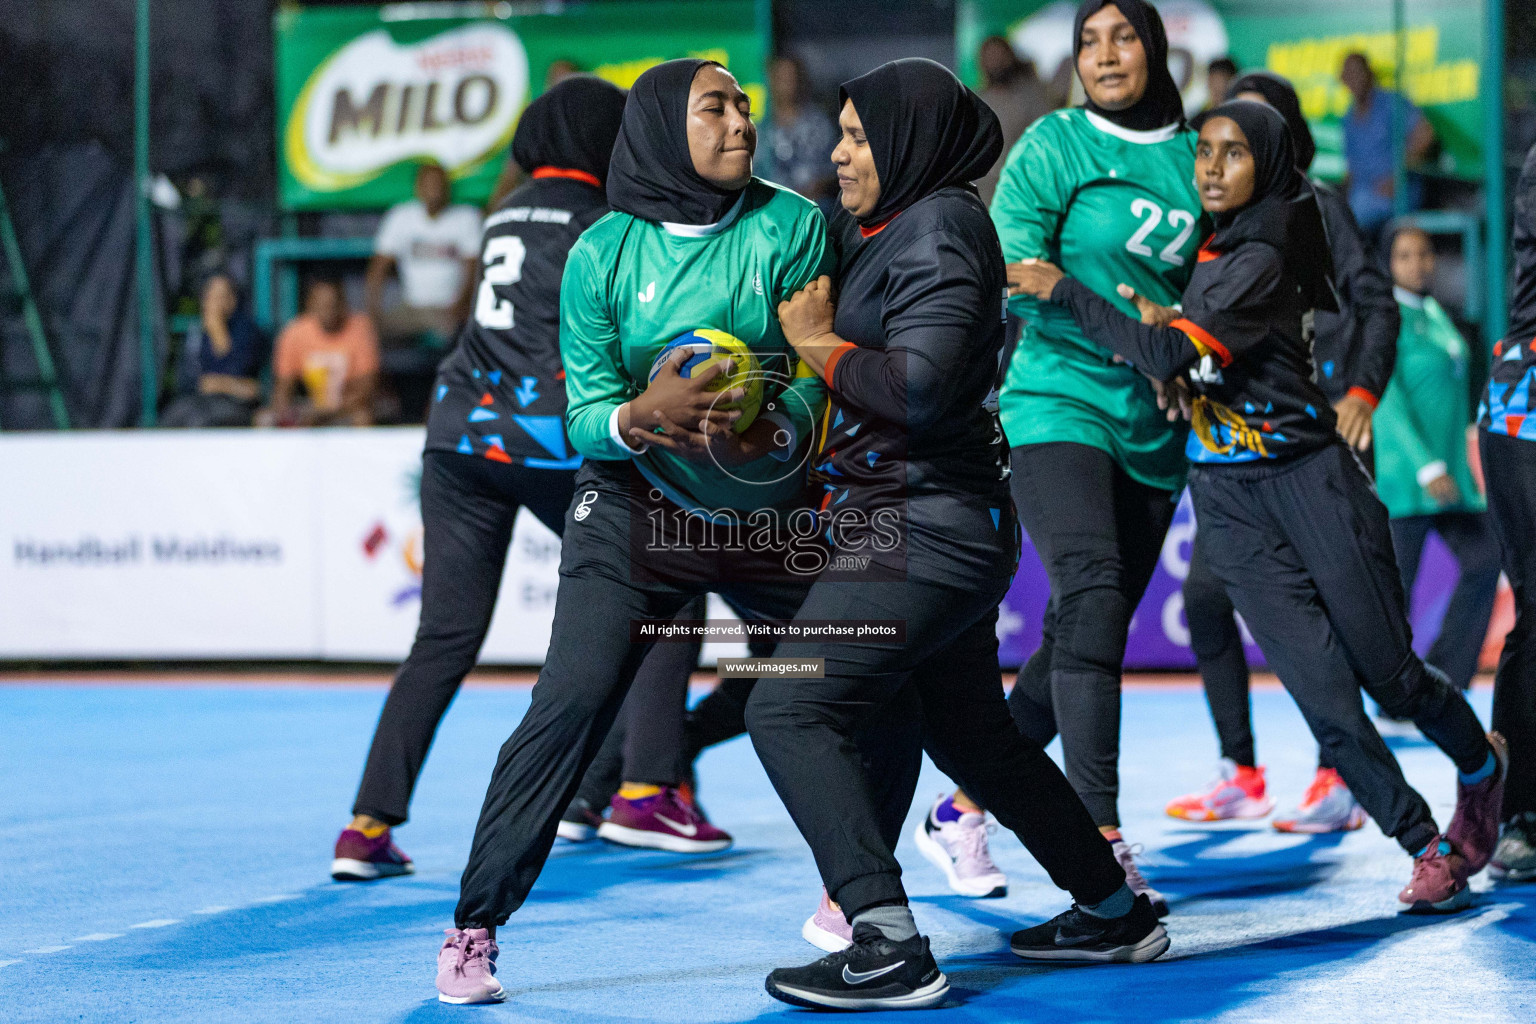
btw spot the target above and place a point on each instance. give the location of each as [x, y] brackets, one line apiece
[1238, 791]
[1439, 882]
[1328, 806]
[360, 859]
[1475, 827]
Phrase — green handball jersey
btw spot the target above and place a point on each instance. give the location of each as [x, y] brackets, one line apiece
[631, 286]
[1107, 205]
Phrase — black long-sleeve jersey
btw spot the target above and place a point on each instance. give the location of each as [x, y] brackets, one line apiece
[501, 392]
[1507, 405]
[913, 466]
[1241, 335]
[1355, 349]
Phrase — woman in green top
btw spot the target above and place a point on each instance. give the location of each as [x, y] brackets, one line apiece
[1422, 475]
[1106, 191]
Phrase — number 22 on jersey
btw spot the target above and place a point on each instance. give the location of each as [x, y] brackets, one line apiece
[1151, 215]
[503, 261]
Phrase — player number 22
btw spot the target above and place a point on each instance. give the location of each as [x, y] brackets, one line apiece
[1151, 216]
[503, 261]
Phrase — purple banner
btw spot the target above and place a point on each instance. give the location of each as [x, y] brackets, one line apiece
[1159, 637]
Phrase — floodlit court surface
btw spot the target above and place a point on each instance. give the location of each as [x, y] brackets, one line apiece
[166, 846]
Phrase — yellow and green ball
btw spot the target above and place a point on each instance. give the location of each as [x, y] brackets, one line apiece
[707, 347]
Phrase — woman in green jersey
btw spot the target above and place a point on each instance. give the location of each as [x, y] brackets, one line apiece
[1106, 189]
[672, 501]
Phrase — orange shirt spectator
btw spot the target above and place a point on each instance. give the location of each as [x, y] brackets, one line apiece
[335, 354]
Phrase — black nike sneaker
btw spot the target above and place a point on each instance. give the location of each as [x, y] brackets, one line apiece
[1078, 935]
[872, 974]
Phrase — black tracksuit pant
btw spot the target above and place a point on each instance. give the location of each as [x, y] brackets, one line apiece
[606, 585]
[1471, 539]
[1304, 550]
[1217, 644]
[801, 729]
[1099, 533]
[468, 508]
[1509, 467]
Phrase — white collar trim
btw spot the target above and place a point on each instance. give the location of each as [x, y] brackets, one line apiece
[1413, 300]
[1147, 138]
[705, 230]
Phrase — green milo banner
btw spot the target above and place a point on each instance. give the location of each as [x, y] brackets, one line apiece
[1304, 40]
[364, 93]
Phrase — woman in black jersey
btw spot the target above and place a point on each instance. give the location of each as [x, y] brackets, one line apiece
[1354, 351]
[495, 443]
[915, 503]
[1292, 526]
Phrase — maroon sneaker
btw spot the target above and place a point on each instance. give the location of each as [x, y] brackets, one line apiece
[1475, 827]
[665, 821]
[1439, 882]
[360, 859]
[466, 967]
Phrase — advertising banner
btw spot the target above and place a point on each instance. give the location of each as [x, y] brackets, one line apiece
[364, 93]
[1304, 40]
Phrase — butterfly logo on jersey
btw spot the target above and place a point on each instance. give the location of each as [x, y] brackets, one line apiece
[649, 293]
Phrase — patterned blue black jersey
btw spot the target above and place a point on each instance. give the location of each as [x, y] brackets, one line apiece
[501, 393]
[1506, 407]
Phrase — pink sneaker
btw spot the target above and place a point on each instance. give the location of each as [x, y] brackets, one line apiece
[955, 842]
[360, 859]
[665, 821]
[466, 967]
[1237, 792]
[827, 929]
[1439, 882]
[1475, 827]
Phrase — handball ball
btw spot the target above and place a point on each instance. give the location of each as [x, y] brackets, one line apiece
[708, 347]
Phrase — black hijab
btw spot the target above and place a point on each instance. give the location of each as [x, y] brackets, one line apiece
[572, 126]
[1280, 94]
[1161, 104]
[1283, 211]
[652, 175]
[925, 129]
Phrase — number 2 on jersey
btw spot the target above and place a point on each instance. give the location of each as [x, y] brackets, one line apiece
[503, 261]
[1151, 216]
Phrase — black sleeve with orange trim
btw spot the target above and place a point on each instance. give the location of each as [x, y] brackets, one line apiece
[1162, 352]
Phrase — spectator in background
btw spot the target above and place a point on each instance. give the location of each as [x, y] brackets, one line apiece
[1368, 146]
[1012, 88]
[217, 380]
[559, 70]
[1422, 474]
[797, 138]
[1219, 75]
[334, 352]
[434, 247]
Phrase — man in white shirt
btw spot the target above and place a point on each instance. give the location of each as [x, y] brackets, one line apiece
[434, 247]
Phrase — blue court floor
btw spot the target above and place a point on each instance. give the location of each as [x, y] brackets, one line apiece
[164, 854]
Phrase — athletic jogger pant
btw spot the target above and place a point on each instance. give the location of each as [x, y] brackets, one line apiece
[1099, 534]
[468, 508]
[1305, 552]
[1217, 644]
[1509, 466]
[1471, 539]
[591, 664]
[801, 729]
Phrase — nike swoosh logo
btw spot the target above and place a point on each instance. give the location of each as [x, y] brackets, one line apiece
[860, 977]
[687, 830]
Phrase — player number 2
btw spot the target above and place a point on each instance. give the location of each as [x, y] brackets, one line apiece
[1151, 216]
[503, 261]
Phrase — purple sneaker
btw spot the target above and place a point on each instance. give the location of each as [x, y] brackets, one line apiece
[466, 967]
[360, 859]
[664, 821]
[1474, 829]
[827, 929]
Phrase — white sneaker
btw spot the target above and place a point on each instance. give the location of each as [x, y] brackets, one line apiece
[959, 849]
[1126, 855]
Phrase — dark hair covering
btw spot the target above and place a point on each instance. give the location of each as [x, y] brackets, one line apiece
[572, 126]
[925, 129]
[1161, 104]
[1280, 94]
[652, 174]
[1283, 210]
